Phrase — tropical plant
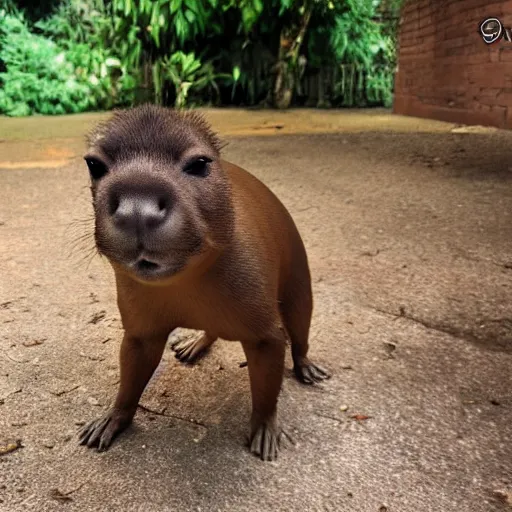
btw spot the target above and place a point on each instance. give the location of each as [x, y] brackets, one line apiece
[252, 51]
[359, 49]
[86, 31]
[188, 73]
[8, 7]
[154, 30]
[38, 78]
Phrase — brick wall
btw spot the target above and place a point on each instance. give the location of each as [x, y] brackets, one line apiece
[446, 71]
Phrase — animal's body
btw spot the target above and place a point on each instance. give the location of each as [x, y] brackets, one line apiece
[196, 242]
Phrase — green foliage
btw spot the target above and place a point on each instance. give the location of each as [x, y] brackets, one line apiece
[189, 74]
[8, 7]
[98, 54]
[146, 30]
[166, 21]
[363, 47]
[38, 76]
[87, 33]
[356, 38]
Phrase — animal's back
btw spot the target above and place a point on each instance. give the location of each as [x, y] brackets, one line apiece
[266, 222]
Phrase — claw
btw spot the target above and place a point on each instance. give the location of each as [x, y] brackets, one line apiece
[102, 431]
[309, 373]
[190, 349]
[266, 441]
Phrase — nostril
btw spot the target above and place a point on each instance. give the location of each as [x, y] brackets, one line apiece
[113, 204]
[163, 204]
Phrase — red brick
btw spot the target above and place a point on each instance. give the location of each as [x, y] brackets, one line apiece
[508, 119]
[488, 79]
[505, 99]
[454, 51]
[455, 40]
[476, 58]
[494, 55]
[445, 69]
[506, 57]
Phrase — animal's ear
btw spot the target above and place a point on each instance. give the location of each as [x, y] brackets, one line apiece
[97, 167]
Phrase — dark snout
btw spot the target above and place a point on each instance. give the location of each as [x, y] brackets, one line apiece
[144, 223]
[140, 211]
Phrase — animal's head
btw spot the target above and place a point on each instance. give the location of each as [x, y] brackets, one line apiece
[161, 198]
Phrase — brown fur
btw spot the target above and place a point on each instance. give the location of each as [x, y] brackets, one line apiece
[226, 259]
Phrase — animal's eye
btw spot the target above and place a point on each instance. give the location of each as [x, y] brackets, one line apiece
[97, 169]
[198, 167]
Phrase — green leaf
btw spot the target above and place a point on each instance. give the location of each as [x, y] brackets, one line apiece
[111, 62]
[191, 17]
[157, 80]
[155, 14]
[175, 5]
[258, 6]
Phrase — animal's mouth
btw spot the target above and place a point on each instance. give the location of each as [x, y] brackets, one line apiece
[144, 265]
[148, 265]
[149, 270]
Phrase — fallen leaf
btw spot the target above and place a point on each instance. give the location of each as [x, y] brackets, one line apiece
[390, 346]
[360, 417]
[58, 495]
[97, 317]
[10, 446]
[33, 343]
[504, 496]
[343, 408]
[61, 392]
[92, 358]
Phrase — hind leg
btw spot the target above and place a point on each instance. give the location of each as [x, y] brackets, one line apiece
[296, 312]
[192, 347]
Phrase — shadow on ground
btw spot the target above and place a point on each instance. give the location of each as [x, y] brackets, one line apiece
[408, 232]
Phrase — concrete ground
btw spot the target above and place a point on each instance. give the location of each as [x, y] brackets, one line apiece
[408, 227]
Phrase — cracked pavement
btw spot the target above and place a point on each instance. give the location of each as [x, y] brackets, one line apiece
[407, 224]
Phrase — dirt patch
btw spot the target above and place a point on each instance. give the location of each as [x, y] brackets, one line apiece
[408, 232]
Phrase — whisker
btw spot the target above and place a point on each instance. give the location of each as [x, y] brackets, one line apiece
[80, 240]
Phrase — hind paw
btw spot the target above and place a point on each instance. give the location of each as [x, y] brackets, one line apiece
[190, 349]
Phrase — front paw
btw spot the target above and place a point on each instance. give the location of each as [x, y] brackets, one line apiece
[266, 440]
[308, 372]
[102, 431]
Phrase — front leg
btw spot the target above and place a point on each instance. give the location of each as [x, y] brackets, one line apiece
[139, 359]
[265, 362]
